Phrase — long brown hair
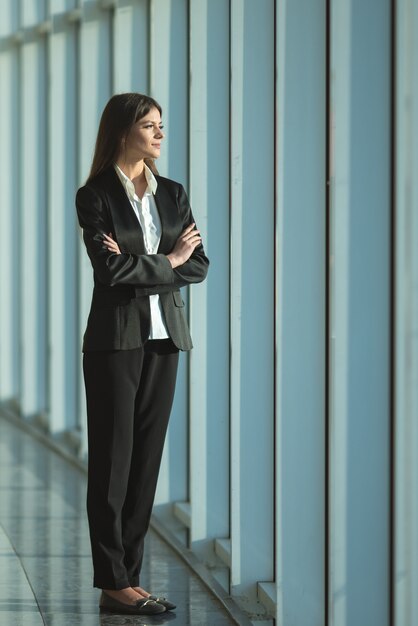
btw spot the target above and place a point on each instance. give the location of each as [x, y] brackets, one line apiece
[119, 115]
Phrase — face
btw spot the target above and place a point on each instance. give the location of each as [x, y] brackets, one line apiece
[145, 137]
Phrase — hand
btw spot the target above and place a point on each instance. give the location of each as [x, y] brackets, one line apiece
[189, 240]
[111, 244]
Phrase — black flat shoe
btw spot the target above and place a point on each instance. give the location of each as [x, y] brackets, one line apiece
[143, 606]
[169, 606]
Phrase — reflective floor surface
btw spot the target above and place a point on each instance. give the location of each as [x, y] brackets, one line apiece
[45, 566]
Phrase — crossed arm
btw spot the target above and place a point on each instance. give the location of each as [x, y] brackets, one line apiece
[152, 273]
[184, 247]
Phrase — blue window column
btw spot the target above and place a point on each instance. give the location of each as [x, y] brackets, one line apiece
[169, 80]
[252, 296]
[360, 290]
[63, 330]
[94, 81]
[32, 228]
[9, 202]
[209, 191]
[301, 313]
[130, 67]
[406, 316]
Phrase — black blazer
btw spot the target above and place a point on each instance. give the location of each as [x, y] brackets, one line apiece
[120, 316]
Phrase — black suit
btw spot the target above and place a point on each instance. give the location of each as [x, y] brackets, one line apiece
[129, 379]
[120, 313]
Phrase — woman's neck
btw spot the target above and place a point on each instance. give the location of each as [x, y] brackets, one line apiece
[135, 170]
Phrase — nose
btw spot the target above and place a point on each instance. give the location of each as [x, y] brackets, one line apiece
[160, 133]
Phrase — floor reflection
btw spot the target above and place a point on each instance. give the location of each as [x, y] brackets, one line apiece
[46, 571]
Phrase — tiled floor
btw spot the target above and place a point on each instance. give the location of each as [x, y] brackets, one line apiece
[45, 566]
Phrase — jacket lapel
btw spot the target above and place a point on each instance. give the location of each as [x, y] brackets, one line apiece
[128, 231]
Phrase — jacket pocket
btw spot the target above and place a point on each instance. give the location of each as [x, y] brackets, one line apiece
[178, 300]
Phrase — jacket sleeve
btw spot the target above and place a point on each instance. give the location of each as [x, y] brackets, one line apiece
[143, 270]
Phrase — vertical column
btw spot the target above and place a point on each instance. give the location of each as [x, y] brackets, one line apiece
[301, 312]
[131, 48]
[94, 91]
[252, 295]
[94, 79]
[62, 235]
[9, 203]
[360, 313]
[32, 180]
[169, 84]
[406, 316]
[209, 190]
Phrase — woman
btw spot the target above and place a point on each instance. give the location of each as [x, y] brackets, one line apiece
[141, 238]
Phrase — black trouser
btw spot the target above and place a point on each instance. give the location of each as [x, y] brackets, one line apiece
[129, 397]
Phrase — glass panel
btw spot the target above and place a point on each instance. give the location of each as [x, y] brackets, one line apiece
[360, 292]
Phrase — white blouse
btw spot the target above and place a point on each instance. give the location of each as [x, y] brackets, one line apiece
[147, 213]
